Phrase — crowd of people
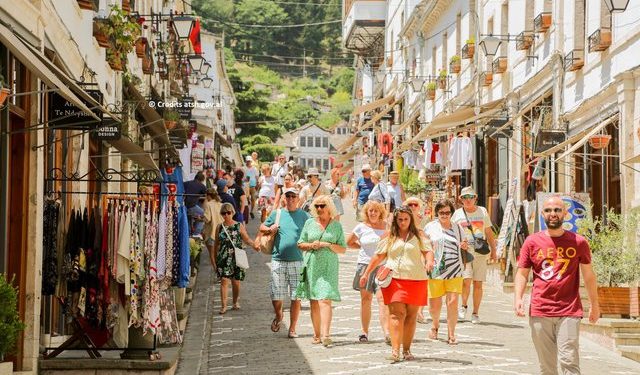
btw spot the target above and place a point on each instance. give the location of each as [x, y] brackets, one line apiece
[406, 260]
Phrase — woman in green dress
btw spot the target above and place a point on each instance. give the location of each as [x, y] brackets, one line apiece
[322, 239]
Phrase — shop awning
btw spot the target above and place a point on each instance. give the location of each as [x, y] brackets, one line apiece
[414, 116]
[372, 105]
[635, 159]
[526, 109]
[460, 117]
[348, 143]
[586, 137]
[377, 117]
[134, 153]
[222, 139]
[24, 53]
[347, 156]
[154, 123]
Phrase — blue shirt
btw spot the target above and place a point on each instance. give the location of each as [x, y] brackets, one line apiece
[285, 246]
[364, 186]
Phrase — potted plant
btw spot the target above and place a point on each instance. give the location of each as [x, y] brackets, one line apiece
[615, 259]
[171, 118]
[100, 31]
[486, 79]
[122, 33]
[115, 60]
[141, 47]
[469, 48]
[455, 64]
[431, 90]
[4, 91]
[10, 324]
[442, 79]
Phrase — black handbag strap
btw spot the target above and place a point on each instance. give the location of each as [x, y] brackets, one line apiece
[470, 226]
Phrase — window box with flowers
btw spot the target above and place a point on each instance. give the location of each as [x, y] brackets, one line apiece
[116, 60]
[455, 65]
[141, 47]
[431, 90]
[542, 22]
[121, 32]
[486, 79]
[442, 80]
[100, 32]
[468, 49]
[523, 41]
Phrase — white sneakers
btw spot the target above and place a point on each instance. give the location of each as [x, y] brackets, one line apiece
[462, 312]
[475, 319]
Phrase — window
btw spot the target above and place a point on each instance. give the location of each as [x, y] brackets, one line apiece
[458, 31]
[303, 142]
[504, 27]
[325, 142]
[325, 164]
[445, 38]
[303, 163]
[434, 58]
[318, 163]
[309, 141]
[318, 142]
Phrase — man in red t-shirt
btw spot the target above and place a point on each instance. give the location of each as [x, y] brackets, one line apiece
[557, 258]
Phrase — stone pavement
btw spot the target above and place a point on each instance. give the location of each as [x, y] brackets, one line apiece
[240, 342]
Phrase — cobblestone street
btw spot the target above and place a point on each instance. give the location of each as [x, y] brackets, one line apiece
[240, 342]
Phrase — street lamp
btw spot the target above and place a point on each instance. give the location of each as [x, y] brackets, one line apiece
[196, 62]
[380, 74]
[416, 83]
[182, 26]
[206, 82]
[616, 5]
[205, 68]
[490, 45]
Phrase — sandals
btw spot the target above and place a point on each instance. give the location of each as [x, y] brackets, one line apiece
[452, 340]
[236, 306]
[327, 342]
[363, 338]
[387, 340]
[421, 319]
[433, 334]
[316, 340]
[407, 356]
[275, 325]
[222, 310]
[394, 357]
[292, 335]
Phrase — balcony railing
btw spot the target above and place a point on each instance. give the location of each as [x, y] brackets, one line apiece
[574, 60]
[524, 41]
[499, 65]
[600, 40]
[542, 22]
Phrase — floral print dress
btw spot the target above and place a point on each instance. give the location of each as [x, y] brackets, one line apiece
[225, 259]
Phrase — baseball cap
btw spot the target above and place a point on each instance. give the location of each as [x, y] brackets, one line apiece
[220, 184]
[394, 173]
[365, 167]
[248, 158]
[468, 191]
[313, 172]
[291, 190]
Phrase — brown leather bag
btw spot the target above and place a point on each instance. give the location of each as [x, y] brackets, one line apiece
[264, 240]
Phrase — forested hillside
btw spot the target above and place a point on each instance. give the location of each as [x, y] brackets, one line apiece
[283, 77]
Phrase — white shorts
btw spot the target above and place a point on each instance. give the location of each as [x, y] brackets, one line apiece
[476, 269]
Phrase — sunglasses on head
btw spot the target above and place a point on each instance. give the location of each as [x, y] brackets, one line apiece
[319, 206]
[403, 209]
[413, 204]
[550, 210]
[225, 213]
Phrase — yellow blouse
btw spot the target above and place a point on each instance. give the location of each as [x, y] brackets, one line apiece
[405, 258]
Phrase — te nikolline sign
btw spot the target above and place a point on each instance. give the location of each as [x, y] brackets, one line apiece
[65, 116]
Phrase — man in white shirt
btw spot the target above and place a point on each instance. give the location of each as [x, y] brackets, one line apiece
[475, 219]
[279, 170]
[251, 176]
[313, 189]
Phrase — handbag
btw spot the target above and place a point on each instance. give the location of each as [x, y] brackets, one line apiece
[306, 206]
[240, 255]
[479, 244]
[265, 241]
[384, 275]
[467, 257]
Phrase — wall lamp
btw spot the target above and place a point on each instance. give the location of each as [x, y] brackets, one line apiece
[491, 42]
[616, 5]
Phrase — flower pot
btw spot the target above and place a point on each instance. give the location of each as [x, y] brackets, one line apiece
[487, 79]
[467, 50]
[614, 300]
[442, 83]
[101, 37]
[599, 141]
[4, 94]
[147, 65]
[141, 47]
[126, 6]
[86, 4]
[170, 125]
[431, 94]
[455, 67]
[115, 62]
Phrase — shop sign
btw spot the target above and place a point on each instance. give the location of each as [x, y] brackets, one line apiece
[186, 106]
[177, 141]
[108, 130]
[66, 116]
[549, 138]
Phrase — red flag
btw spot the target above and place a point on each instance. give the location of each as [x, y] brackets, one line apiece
[194, 37]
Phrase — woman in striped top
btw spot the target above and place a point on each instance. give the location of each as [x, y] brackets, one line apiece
[448, 241]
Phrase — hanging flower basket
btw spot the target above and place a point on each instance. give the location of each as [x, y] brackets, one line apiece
[599, 141]
[141, 47]
[4, 94]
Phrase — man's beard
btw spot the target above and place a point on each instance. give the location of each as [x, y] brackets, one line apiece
[556, 224]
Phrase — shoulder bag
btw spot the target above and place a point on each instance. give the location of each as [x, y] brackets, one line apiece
[264, 241]
[240, 255]
[306, 206]
[479, 244]
[467, 257]
[384, 275]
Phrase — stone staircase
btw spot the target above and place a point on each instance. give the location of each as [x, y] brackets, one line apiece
[619, 335]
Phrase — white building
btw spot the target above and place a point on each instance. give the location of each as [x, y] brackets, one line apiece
[311, 146]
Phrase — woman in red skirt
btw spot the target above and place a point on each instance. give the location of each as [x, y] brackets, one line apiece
[406, 251]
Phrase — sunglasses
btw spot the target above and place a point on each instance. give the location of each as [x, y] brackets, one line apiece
[413, 204]
[319, 206]
[444, 213]
[290, 195]
[225, 213]
[550, 210]
[467, 196]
